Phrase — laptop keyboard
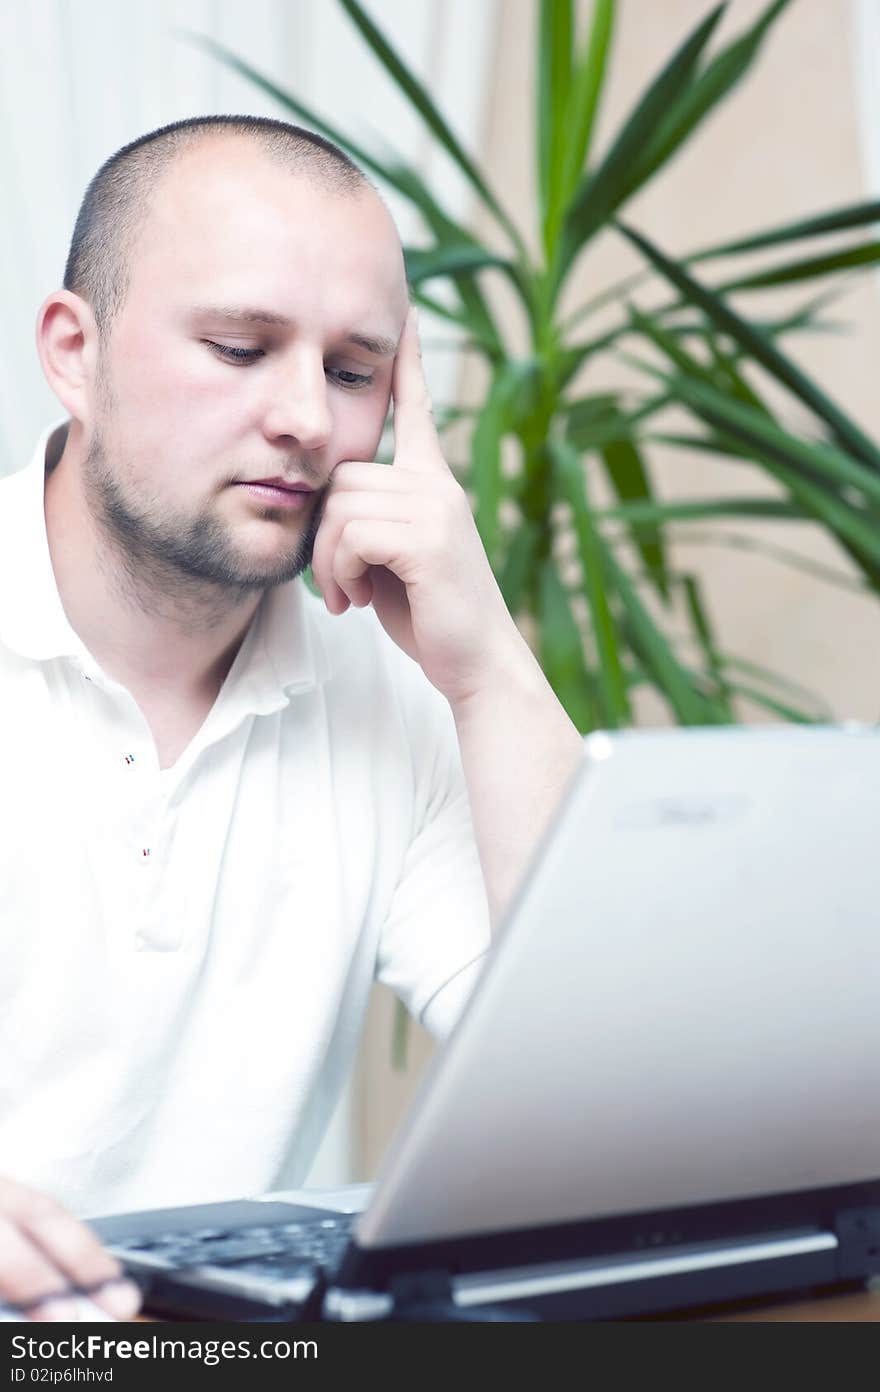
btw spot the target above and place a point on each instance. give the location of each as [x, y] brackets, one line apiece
[321, 1241]
[274, 1268]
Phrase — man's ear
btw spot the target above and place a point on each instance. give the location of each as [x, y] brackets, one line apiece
[67, 342]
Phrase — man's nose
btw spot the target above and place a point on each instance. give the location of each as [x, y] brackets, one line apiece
[299, 408]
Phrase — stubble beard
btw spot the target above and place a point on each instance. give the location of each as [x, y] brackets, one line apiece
[188, 559]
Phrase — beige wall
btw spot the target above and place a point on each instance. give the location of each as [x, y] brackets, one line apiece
[785, 145]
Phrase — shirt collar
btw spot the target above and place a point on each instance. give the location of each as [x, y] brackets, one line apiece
[283, 650]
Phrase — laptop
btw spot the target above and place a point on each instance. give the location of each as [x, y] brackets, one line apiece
[663, 1093]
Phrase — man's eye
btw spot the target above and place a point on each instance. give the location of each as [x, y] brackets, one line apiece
[225, 350]
[352, 380]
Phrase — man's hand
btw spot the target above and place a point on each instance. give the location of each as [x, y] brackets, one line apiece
[404, 538]
[52, 1265]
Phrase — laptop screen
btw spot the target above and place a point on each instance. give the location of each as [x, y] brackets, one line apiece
[682, 1004]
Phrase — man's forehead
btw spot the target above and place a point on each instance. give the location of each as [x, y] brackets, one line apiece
[234, 173]
[236, 229]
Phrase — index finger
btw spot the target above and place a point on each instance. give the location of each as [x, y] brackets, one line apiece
[415, 435]
[45, 1245]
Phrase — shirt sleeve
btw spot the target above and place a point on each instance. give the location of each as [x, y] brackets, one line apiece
[436, 933]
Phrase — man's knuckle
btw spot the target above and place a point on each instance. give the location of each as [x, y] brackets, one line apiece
[84, 1254]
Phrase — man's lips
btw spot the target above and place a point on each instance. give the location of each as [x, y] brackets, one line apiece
[297, 486]
[278, 492]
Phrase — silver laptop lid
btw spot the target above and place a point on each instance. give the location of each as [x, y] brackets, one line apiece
[683, 1005]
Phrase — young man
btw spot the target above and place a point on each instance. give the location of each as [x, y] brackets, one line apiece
[227, 805]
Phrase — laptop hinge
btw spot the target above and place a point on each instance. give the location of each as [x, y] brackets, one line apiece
[858, 1237]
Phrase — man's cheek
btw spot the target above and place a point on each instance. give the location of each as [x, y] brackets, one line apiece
[362, 440]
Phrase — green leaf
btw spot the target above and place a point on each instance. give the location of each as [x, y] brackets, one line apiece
[736, 541]
[784, 709]
[668, 344]
[629, 478]
[805, 316]
[855, 530]
[718, 78]
[587, 83]
[724, 371]
[519, 565]
[656, 653]
[554, 53]
[868, 254]
[640, 514]
[767, 439]
[572, 485]
[650, 645]
[715, 443]
[595, 418]
[761, 348]
[418, 97]
[561, 649]
[476, 315]
[452, 316]
[426, 264]
[290, 103]
[493, 423]
[841, 219]
[702, 630]
[775, 679]
[600, 193]
[728, 375]
[573, 123]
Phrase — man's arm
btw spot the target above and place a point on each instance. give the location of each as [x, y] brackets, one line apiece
[405, 540]
[519, 751]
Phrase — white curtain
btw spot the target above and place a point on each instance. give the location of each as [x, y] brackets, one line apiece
[80, 78]
[866, 71]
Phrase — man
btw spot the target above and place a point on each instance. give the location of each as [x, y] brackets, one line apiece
[228, 806]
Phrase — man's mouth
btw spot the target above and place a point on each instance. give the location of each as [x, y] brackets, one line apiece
[279, 492]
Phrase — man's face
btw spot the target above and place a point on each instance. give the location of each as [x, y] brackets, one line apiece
[195, 398]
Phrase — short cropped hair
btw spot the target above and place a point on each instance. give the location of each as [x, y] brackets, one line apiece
[118, 199]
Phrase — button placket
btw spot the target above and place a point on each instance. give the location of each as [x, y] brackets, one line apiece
[137, 780]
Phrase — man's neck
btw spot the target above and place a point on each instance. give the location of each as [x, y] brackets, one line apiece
[154, 644]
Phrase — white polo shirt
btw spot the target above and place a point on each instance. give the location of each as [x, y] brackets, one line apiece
[187, 953]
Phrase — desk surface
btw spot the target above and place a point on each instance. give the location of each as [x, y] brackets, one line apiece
[858, 1307]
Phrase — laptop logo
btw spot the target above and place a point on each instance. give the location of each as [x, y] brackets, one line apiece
[682, 811]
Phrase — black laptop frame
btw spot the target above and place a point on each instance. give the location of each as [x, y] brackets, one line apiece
[851, 1213]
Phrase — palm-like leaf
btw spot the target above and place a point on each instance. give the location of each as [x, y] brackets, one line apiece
[601, 637]
[707, 360]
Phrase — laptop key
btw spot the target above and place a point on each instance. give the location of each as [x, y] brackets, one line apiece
[233, 1248]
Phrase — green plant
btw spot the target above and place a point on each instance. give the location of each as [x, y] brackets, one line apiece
[612, 627]
[704, 358]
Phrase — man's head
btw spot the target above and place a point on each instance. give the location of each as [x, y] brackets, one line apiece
[232, 299]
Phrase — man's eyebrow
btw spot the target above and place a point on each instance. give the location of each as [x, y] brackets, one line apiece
[240, 315]
[234, 314]
[382, 347]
